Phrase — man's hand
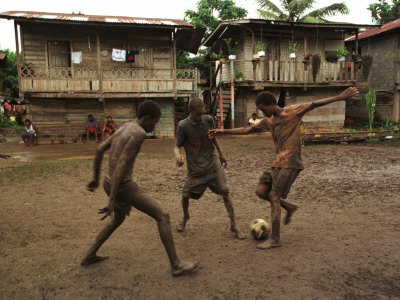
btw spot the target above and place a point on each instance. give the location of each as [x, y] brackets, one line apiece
[107, 210]
[92, 186]
[349, 93]
[213, 132]
[180, 161]
[223, 161]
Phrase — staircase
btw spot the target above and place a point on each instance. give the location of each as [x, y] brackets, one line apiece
[181, 110]
[226, 97]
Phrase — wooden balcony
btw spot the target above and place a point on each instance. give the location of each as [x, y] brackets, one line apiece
[115, 82]
[291, 73]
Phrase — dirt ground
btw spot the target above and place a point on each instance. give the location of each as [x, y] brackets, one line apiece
[343, 242]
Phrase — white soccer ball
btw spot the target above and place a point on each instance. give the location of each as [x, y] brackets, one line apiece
[260, 229]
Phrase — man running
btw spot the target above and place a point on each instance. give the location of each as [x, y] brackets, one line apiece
[284, 126]
[123, 193]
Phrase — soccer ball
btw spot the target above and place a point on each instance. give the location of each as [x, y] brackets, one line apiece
[260, 229]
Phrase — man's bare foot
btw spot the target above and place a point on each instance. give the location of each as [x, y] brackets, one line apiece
[182, 224]
[184, 267]
[289, 214]
[94, 259]
[269, 244]
[238, 233]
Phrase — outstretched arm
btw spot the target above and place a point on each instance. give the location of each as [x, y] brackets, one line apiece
[348, 94]
[261, 126]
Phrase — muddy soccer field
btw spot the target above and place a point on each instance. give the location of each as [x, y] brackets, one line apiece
[343, 242]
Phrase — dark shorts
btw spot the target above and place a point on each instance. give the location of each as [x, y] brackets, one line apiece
[216, 181]
[125, 195]
[27, 136]
[282, 180]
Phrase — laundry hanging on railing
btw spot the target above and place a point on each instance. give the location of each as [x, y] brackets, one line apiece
[118, 55]
[76, 57]
[130, 55]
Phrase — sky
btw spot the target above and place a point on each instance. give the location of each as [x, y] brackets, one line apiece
[173, 9]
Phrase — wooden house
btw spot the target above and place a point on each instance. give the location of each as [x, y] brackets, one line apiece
[72, 65]
[293, 78]
[383, 45]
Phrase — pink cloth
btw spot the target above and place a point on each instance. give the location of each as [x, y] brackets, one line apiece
[7, 106]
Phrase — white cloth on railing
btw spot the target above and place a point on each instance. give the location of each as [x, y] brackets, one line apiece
[76, 57]
[118, 55]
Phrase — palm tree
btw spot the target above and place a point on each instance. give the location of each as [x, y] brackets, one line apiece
[295, 11]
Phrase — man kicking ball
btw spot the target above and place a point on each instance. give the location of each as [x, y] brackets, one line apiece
[203, 168]
[123, 193]
[284, 126]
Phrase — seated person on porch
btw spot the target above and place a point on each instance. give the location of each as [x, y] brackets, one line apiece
[109, 128]
[253, 120]
[30, 133]
[91, 127]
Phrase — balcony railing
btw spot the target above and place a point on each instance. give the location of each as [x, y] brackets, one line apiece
[115, 80]
[275, 71]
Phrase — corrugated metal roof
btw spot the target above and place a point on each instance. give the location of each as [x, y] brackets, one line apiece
[271, 25]
[376, 31]
[60, 17]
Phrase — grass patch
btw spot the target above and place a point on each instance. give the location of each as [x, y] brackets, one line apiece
[42, 169]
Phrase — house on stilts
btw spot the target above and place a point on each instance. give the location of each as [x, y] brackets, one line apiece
[73, 65]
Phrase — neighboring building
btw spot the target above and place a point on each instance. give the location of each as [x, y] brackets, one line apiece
[291, 79]
[69, 69]
[384, 45]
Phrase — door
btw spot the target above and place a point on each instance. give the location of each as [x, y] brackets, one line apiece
[59, 56]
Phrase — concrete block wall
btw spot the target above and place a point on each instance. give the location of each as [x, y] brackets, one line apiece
[166, 126]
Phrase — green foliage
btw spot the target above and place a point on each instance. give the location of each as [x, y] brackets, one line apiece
[387, 125]
[370, 100]
[6, 123]
[341, 52]
[184, 61]
[238, 74]
[261, 46]
[382, 12]
[217, 56]
[9, 75]
[296, 11]
[231, 46]
[293, 47]
[207, 15]
[210, 12]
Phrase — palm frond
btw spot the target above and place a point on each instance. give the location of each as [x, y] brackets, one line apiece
[298, 7]
[267, 15]
[268, 5]
[329, 11]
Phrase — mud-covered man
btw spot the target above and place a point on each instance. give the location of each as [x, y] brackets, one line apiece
[123, 193]
[203, 167]
[284, 126]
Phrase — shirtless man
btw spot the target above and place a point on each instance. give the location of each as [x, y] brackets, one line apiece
[123, 193]
[203, 168]
[284, 126]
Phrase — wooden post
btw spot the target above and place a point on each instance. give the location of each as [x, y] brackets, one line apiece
[18, 62]
[356, 54]
[99, 71]
[232, 97]
[174, 71]
[221, 99]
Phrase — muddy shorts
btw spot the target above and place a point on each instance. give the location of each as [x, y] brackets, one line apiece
[216, 181]
[125, 195]
[282, 180]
